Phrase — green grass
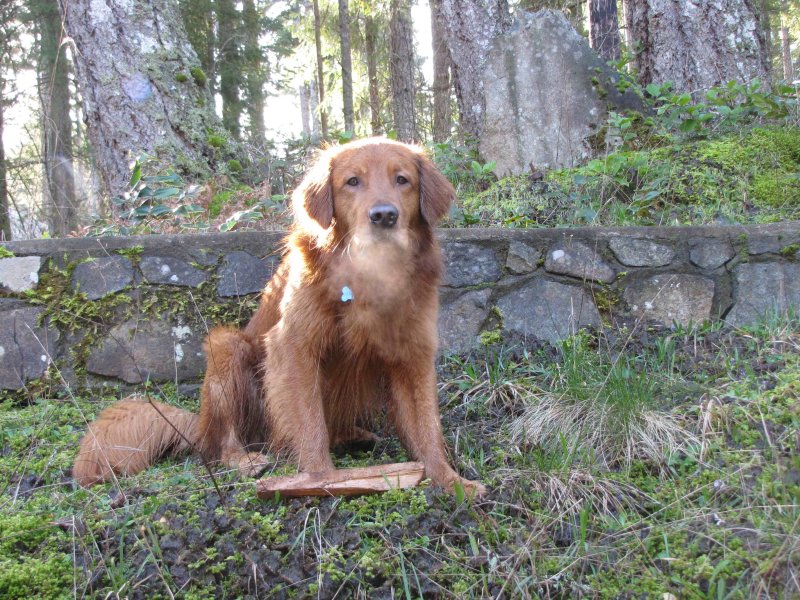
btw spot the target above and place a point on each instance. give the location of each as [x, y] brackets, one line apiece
[716, 515]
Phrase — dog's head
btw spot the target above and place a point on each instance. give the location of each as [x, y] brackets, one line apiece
[370, 188]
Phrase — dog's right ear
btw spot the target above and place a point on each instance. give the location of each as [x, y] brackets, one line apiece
[314, 196]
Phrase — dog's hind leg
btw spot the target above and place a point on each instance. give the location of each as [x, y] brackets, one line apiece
[231, 415]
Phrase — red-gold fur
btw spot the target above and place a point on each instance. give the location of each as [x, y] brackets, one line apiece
[309, 369]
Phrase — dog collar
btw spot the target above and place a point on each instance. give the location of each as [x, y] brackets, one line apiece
[347, 294]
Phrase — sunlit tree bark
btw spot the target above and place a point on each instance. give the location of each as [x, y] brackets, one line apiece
[697, 44]
[143, 89]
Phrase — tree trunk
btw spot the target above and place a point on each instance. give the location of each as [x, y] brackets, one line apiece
[626, 14]
[604, 28]
[316, 113]
[323, 114]
[401, 70]
[766, 27]
[142, 87]
[471, 26]
[347, 66]
[198, 21]
[8, 38]
[786, 53]
[230, 65]
[370, 42]
[441, 75]
[59, 189]
[255, 73]
[305, 111]
[5, 215]
[697, 44]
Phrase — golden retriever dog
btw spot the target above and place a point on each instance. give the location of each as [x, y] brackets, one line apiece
[347, 325]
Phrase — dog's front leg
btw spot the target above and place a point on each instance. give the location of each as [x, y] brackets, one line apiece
[294, 402]
[414, 411]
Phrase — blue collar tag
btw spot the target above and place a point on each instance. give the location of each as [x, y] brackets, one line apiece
[347, 294]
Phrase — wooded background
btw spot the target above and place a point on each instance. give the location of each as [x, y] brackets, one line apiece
[191, 88]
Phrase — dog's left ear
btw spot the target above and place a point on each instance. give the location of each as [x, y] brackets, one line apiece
[314, 197]
[436, 194]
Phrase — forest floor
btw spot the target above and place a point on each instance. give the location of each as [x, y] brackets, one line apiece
[668, 467]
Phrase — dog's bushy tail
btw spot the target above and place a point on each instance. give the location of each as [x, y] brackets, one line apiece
[131, 435]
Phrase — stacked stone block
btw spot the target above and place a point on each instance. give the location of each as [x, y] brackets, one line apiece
[531, 284]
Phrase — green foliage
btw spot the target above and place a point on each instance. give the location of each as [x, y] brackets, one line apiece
[198, 75]
[152, 197]
[462, 168]
[215, 141]
[181, 77]
[5, 252]
[255, 212]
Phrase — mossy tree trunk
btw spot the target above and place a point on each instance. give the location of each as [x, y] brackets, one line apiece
[143, 88]
[697, 44]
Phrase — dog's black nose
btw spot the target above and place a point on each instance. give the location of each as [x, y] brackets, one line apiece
[383, 215]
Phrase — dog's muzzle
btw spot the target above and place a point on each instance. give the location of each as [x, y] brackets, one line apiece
[383, 215]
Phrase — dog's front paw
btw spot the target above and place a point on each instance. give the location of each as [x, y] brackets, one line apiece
[454, 484]
[472, 489]
[252, 464]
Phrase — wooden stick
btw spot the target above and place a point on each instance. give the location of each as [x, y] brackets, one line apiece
[343, 482]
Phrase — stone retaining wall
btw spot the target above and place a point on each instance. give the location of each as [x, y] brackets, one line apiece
[83, 312]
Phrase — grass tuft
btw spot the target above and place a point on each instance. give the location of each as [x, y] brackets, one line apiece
[602, 409]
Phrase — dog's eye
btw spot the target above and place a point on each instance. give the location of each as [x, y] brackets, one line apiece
[401, 180]
[353, 181]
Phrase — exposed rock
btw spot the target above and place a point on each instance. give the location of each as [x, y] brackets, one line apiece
[460, 321]
[577, 260]
[635, 252]
[710, 254]
[547, 92]
[548, 310]
[522, 258]
[26, 349]
[671, 298]
[243, 273]
[762, 244]
[470, 264]
[19, 274]
[102, 276]
[164, 269]
[762, 289]
[150, 350]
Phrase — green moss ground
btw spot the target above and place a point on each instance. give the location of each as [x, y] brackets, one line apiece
[717, 519]
[748, 176]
